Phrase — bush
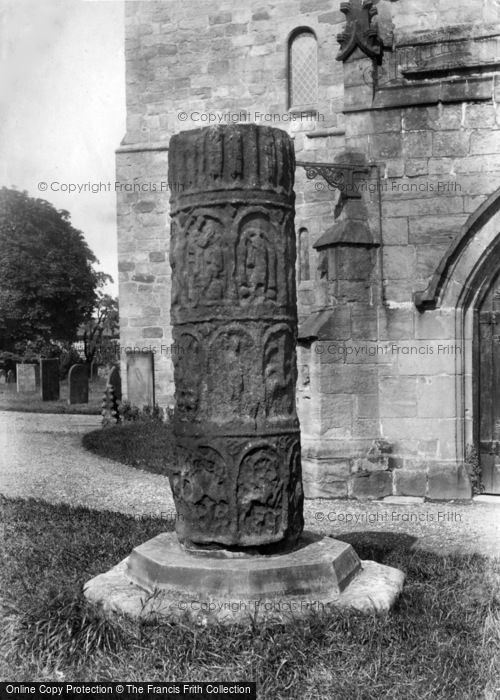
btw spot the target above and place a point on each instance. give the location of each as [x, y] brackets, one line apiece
[130, 413]
[473, 465]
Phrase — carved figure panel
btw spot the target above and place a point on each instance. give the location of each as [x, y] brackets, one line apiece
[231, 380]
[278, 370]
[187, 364]
[260, 492]
[205, 263]
[257, 261]
[200, 484]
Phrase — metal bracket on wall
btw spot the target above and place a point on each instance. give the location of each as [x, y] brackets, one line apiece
[339, 176]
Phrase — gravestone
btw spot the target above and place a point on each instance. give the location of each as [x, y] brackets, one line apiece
[140, 379]
[236, 477]
[49, 379]
[11, 376]
[78, 381]
[94, 371]
[114, 380]
[26, 379]
[3, 376]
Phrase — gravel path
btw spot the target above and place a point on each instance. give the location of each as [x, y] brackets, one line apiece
[41, 456]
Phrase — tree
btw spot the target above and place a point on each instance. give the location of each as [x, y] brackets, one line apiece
[101, 328]
[47, 283]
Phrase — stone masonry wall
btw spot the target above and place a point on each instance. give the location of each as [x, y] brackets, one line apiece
[383, 421]
[185, 62]
[437, 145]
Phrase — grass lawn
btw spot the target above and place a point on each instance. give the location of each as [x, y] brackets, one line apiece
[10, 400]
[441, 640]
[144, 444]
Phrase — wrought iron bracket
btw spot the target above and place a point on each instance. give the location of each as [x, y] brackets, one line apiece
[339, 176]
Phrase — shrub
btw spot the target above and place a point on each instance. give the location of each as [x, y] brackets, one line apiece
[130, 413]
[473, 465]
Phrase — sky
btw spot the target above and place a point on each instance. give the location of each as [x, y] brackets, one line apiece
[62, 109]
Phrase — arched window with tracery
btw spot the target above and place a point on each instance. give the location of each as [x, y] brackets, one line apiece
[302, 69]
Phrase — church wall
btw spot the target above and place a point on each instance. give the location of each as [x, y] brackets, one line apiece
[375, 423]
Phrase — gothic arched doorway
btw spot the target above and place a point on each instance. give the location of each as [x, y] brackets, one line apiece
[487, 386]
[466, 285]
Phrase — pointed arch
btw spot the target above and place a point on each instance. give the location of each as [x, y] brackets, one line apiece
[456, 277]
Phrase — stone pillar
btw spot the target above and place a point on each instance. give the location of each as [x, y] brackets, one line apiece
[237, 478]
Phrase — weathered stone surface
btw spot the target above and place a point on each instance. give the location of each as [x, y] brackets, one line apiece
[377, 458]
[157, 256]
[398, 397]
[316, 565]
[446, 481]
[26, 381]
[78, 380]
[140, 379]
[359, 31]
[237, 479]
[145, 279]
[403, 500]
[49, 379]
[451, 143]
[410, 483]
[417, 144]
[325, 489]
[323, 574]
[373, 485]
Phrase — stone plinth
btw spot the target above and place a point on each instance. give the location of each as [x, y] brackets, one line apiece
[237, 478]
[160, 578]
[318, 565]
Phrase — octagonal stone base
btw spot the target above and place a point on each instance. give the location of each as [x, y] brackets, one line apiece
[161, 579]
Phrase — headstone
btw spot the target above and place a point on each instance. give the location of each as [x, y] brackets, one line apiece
[3, 376]
[78, 381]
[94, 371]
[114, 380]
[140, 379]
[26, 380]
[11, 377]
[237, 479]
[49, 376]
